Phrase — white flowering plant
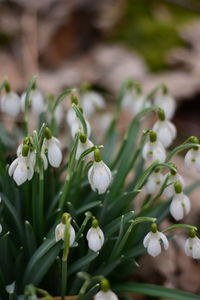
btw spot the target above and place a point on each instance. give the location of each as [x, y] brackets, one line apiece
[69, 225]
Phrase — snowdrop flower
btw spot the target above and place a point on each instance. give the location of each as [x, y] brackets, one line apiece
[154, 182]
[51, 146]
[60, 230]
[180, 205]
[152, 241]
[84, 144]
[105, 293]
[173, 177]
[166, 131]
[99, 175]
[92, 101]
[10, 104]
[22, 168]
[192, 157]
[153, 149]
[71, 116]
[58, 113]
[192, 245]
[76, 126]
[167, 103]
[95, 236]
[134, 102]
[36, 99]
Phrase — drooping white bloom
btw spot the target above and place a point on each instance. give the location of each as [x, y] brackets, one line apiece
[108, 295]
[99, 177]
[95, 238]
[154, 182]
[71, 116]
[60, 230]
[10, 104]
[180, 206]
[169, 190]
[82, 146]
[153, 151]
[92, 101]
[134, 102]
[52, 147]
[192, 159]
[152, 242]
[36, 99]
[166, 132]
[167, 103]
[76, 126]
[59, 114]
[22, 168]
[192, 247]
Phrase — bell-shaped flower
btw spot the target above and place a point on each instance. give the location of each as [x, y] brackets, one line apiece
[153, 241]
[77, 126]
[99, 175]
[192, 159]
[60, 230]
[153, 149]
[22, 168]
[180, 205]
[154, 182]
[134, 102]
[84, 144]
[91, 102]
[169, 190]
[192, 245]
[59, 114]
[105, 293]
[10, 104]
[36, 100]
[166, 131]
[52, 147]
[95, 237]
[71, 116]
[167, 103]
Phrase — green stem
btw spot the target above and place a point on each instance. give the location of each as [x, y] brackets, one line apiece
[41, 204]
[180, 148]
[175, 226]
[64, 279]
[34, 200]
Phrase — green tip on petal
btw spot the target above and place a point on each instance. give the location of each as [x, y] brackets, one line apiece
[97, 155]
[105, 285]
[95, 223]
[154, 227]
[192, 233]
[65, 218]
[178, 187]
[7, 87]
[173, 172]
[47, 133]
[152, 136]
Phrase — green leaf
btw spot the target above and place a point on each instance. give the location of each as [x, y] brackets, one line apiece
[154, 291]
[80, 117]
[62, 96]
[80, 263]
[30, 238]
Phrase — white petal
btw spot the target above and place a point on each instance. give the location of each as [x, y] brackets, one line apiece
[188, 247]
[72, 235]
[165, 136]
[59, 232]
[95, 239]
[13, 166]
[176, 209]
[44, 159]
[146, 149]
[100, 177]
[167, 103]
[109, 295]
[196, 248]
[151, 186]
[154, 248]
[159, 152]
[37, 104]
[11, 104]
[146, 240]
[71, 116]
[19, 149]
[54, 154]
[197, 164]
[186, 203]
[21, 173]
[164, 240]
[188, 158]
[1, 228]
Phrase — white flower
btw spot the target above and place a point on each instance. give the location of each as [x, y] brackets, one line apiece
[154, 182]
[36, 100]
[95, 238]
[166, 132]
[59, 113]
[109, 295]
[22, 168]
[60, 230]
[134, 102]
[167, 103]
[82, 146]
[52, 146]
[152, 242]
[169, 190]
[1, 228]
[71, 116]
[153, 151]
[92, 101]
[10, 104]
[76, 126]
[99, 177]
[180, 206]
[192, 159]
[192, 247]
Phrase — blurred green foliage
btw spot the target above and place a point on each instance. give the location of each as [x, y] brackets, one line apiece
[151, 28]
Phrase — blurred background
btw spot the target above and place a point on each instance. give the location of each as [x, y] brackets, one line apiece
[104, 42]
